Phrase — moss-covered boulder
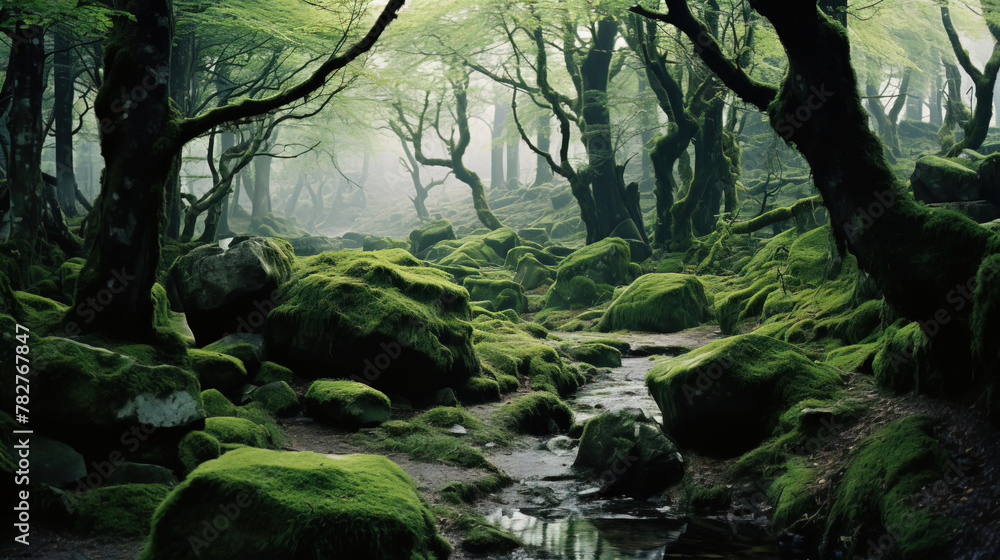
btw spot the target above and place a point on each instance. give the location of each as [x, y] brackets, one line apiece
[197, 447]
[514, 256]
[232, 289]
[473, 253]
[425, 237]
[501, 241]
[538, 413]
[593, 353]
[270, 372]
[876, 495]
[659, 303]
[346, 403]
[531, 274]
[373, 243]
[603, 263]
[728, 396]
[254, 503]
[120, 511]
[90, 396]
[237, 431]
[628, 453]
[309, 245]
[217, 371]
[382, 317]
[247, 348]
[216, 404]
[276, 397]
[504, 294]
[938, 179]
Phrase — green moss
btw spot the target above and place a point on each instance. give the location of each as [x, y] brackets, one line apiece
[42, 315]
[728, 396]
[276, 397]
[459, 493]
[237, 430]
[502, 240]
[248, 354]
[347, 506]
[120, 511]
[578, 275]
[343, 310]
[487, 538]
[346, 402]
[711, 498]
[594, 353]
[270, 372]
[505, 294]
[659, 303]
[985, 320]
[446, 417]
[216, 404]
[808, 255]
[793, 494]
[531, 274]
[425, 237]
[855, 358]
[426, 444]
[217, 371]
[902, 363]
[864, 321]
[535, 413]
[197, 447]
[884, 473]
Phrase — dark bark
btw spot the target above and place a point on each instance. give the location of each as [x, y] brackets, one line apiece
[802, 212]
[513, 161]
[140, 137]
[25, 72]
[869, 212]
[543, 173]
[63, 115]
[983, 81]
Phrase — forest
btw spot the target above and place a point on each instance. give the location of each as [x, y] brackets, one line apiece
[500, 279]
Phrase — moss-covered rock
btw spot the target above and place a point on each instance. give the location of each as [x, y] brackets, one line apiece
[514, 256]
[603, 263]
[629, 454]
[381, 316]
[309, 245]
[728, 396]
[216, 404]
[659, 303]
[504, 294]
[808, 256]
[425, 237]
[231, 290]
[67, 273]
[217, 371]
[120, 511]
[531, 274]
[197, 447]
[904, 360]
[874, 497]
[237, 431]
[473, 253]
[346, 403]
[247, 348]
[372, 243]
[538, 413]
[276, 397]
[270, 372]
[91, 395]
[502, 240]
[593, 353]
[337, 506]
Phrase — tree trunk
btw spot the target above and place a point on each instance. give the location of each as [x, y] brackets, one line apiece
[261, 189]
[648, 122]
[711, 173]
[936, 98]
[513, 161]
[113, 291]
[543, 173]
[25, 71]
[63, 115]
[606, 183]
[293, 200]
[497, 177]
[226, 141]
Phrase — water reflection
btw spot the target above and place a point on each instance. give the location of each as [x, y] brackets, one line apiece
[627, 537]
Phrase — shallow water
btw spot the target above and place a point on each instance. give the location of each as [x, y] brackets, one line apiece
[555, 522]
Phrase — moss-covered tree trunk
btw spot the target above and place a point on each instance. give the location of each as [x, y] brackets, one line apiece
[25, 71]
[899, 242]
[543, 173]
[612, 205]
[984, 81]
[113, 292]
[64, 96]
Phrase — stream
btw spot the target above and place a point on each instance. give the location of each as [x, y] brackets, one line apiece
[558, 516]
